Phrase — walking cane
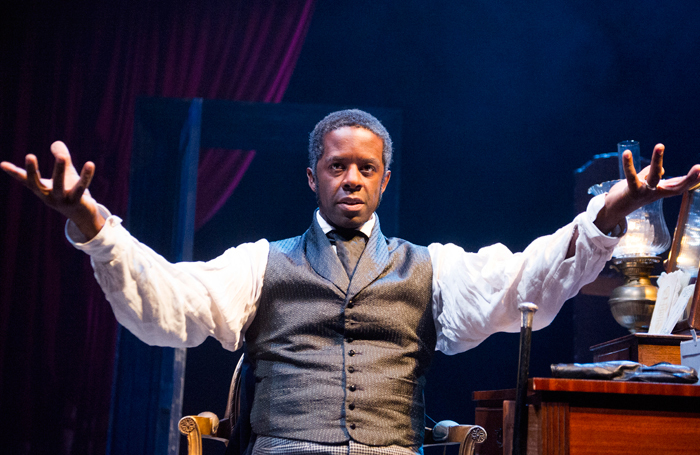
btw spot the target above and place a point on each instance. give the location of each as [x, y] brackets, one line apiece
[527, 313]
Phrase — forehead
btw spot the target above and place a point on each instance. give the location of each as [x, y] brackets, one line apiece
[353, 140]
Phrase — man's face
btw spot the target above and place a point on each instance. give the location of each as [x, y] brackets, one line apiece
[350, 176]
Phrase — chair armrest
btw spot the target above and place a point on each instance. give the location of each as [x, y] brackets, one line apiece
[467, 436]
[206, 424]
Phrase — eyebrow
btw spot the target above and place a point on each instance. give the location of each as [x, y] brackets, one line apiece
[345, 158]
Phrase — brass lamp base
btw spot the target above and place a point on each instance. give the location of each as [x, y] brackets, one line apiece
[632, 304]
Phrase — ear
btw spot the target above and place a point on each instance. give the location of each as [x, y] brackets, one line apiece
[312, 180]
[385, 180]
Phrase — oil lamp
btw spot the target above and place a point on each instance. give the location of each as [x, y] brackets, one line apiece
[632, 304]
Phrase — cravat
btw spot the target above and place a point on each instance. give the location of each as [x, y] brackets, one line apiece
[350, 245]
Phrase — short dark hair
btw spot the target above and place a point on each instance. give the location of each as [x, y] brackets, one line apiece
[348, 117]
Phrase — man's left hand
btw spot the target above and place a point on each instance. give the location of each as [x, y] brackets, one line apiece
[637, 190]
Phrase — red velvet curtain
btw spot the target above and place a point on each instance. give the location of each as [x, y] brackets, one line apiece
[72, 71]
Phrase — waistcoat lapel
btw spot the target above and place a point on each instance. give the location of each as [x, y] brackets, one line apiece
[373, 261]
[323, 259]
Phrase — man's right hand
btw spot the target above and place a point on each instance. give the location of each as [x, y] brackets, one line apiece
[66, 191]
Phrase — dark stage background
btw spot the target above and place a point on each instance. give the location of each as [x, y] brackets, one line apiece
[501, 100]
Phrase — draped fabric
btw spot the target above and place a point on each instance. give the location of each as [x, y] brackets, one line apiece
[72, 71]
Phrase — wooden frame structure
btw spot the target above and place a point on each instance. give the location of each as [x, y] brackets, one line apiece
[692, 321]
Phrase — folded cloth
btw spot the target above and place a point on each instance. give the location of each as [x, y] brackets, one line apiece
[625, 370]
[600, 370]
[662, 372]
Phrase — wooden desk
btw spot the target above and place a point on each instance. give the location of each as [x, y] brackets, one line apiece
[641, 347]
[575, 417]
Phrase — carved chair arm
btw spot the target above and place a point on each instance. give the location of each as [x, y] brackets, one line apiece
[467, 436]
[206, 425]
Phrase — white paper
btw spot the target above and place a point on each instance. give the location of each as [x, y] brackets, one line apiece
[678, 307]
[670, 287]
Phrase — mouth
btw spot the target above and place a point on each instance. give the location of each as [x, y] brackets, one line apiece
[351, 203]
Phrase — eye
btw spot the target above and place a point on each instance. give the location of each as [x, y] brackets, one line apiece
[337, 166]
[368, 169]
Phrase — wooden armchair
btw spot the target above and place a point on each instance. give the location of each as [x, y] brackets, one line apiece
[449, 433]
[208, 425]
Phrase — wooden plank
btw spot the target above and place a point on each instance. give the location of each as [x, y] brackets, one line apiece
[553, 426]
[574, 417]
[507, 425]
[149, 380]
[641, 347]
[653, 354]
[490, 418]
[614, 387]
[620, 432]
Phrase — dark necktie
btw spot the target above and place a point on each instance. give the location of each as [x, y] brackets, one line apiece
[350, 245]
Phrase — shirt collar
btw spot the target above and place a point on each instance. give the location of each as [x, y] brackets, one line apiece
[366, 228]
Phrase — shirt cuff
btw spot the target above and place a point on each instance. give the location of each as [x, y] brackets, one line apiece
[594, 206]
[591, 231]
[100, 247]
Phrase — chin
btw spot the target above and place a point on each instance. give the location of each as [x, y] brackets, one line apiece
[353, 222]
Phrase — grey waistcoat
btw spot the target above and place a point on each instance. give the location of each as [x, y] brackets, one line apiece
[337, 359]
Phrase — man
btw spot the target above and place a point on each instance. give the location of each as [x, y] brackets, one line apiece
[341, 322]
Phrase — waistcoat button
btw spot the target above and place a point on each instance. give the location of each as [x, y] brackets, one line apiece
[353, 426]
[351, 352]
[353, 388]
[351, 406]
[350, 340]
[351, 369]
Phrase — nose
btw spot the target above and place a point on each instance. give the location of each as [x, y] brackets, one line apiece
[353, 178]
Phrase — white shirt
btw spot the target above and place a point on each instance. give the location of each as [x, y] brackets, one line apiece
[474, 294]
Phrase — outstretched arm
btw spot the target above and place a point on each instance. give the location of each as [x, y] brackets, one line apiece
[477, 294]
[163, 304]
[66, 192]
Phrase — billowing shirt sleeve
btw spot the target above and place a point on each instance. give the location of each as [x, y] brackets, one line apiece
[477, 294]
[176, 305]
